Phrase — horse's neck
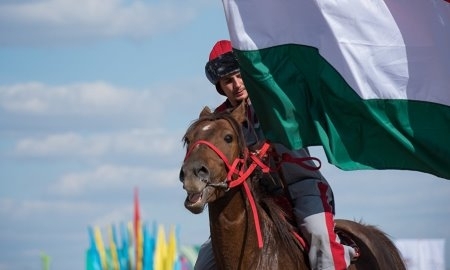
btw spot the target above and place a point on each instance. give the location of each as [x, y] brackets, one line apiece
[230, 215]
[232, 228]
[235, 241]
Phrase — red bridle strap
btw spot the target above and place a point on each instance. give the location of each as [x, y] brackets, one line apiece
[304, 162]
[256, 158]
[232, 168]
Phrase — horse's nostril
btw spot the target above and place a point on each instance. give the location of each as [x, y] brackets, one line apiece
[202, 172]
[181, 176]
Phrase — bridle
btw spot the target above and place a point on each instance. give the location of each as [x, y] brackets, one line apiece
[241, 168]
[244, 165]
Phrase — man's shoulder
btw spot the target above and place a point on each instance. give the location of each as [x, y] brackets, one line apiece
[223, 107]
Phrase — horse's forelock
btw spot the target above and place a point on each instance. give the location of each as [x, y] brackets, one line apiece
[194, 126]
[214, 117]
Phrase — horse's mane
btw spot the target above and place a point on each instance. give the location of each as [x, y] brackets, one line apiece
[275, 219]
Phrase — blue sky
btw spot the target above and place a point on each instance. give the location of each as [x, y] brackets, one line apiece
[94, 99]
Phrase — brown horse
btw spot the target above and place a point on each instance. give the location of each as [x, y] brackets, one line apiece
[249, 229]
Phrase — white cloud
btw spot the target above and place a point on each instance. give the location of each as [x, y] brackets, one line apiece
[94, 98]
[23, 209]
[90, 100]
[115, 178]
[48, 22]
[137, 142]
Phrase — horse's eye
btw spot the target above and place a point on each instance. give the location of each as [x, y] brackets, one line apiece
[228, 138]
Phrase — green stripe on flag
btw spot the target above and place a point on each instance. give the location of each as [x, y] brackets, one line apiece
[301, 100]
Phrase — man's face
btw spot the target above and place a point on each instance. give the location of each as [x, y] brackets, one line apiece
[234, 88]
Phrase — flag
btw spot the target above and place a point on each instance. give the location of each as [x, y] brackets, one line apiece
[123, 254]
[138, 231]
[45, 258]
[123, 250]
[100, 247]
[367, 80]
[113, 248]
[422, 254]
[171, 255]
[93, 261]
[131, 247]
[160, 254]
[149, 247]
[189, 256]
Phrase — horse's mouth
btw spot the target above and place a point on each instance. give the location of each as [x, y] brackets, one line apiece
[196, 202]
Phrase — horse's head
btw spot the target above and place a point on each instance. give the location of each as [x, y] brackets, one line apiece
[213, 143]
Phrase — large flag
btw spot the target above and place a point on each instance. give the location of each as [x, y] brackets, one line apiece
[367, 80]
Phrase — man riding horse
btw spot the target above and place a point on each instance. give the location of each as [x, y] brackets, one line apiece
[309, 192]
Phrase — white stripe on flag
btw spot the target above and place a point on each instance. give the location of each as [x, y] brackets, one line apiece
[393, 49]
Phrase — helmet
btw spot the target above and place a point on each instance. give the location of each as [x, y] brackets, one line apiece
[222, 62]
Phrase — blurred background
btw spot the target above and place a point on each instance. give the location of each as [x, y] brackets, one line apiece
[94, 99]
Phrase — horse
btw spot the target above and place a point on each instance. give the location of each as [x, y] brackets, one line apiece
[249, 228]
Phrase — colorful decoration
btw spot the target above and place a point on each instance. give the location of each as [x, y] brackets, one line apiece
[140, 247]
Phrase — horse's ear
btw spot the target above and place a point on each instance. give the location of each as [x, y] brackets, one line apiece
[206, 111]
[239, 113]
